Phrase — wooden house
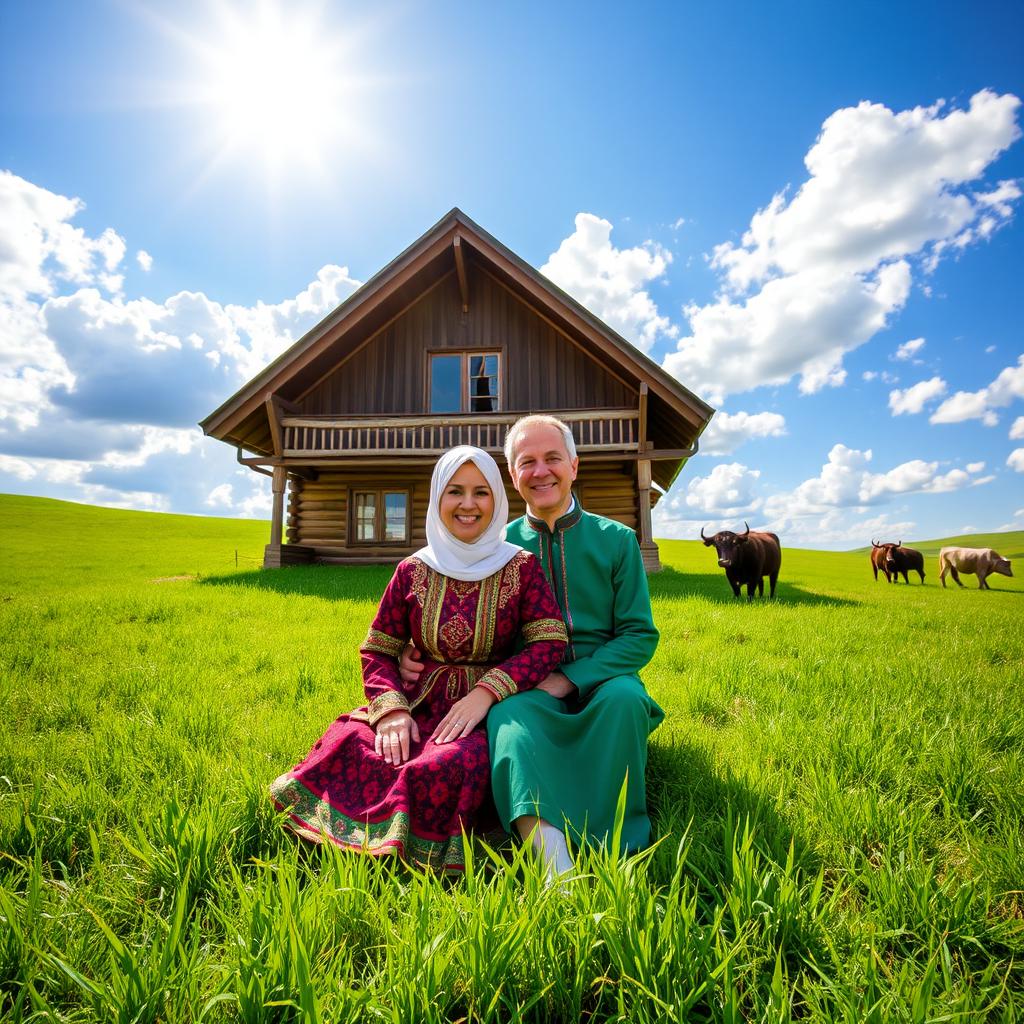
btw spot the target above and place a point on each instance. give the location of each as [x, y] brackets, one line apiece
[449, 344]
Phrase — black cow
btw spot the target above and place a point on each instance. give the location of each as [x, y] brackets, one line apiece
[747, 558]
[899, 559]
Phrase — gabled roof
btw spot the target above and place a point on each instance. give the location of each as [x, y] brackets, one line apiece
[241, 420]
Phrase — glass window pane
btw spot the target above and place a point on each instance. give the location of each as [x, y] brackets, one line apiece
[445, 383]
[366, 515]
[395, 516]
[483, 383]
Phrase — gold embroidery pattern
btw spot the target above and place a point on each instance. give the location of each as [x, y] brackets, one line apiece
[418, 580]
[428, 685]
[382, 643]
[500, 683]
[432, 603]
[462, 678]
[384, 703]
[462, 588]
[486, 616]
[544, 629]
[510, 578]
[315, 819]
[455, 632]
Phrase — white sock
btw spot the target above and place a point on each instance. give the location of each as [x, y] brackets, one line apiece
[550, 843]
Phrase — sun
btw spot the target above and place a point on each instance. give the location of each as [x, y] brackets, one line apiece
[277, 87]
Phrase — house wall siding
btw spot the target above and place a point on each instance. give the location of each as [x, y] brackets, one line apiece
[541, 368]
[318, 510]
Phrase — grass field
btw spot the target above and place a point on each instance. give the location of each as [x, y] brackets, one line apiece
[837, 792]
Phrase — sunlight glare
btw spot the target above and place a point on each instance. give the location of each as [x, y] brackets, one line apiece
[275, 86]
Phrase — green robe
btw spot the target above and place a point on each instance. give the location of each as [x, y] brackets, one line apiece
[565, 760]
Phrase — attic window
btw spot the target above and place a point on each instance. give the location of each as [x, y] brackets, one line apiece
[465, 382]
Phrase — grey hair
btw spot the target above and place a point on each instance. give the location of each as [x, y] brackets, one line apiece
[536, 420]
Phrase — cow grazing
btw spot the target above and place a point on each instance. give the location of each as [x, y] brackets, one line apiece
[981, 561]
[747, 558]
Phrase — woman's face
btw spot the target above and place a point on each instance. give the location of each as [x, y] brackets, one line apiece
[467, 504]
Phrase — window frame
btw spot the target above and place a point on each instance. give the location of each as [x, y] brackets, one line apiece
[380, 516]
[465, 399]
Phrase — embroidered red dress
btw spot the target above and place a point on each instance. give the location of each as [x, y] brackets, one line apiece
[469, 633]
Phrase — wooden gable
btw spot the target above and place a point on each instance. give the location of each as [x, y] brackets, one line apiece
[540, 367]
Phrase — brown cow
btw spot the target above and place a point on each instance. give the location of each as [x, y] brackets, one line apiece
[982, 561]
[878, 560]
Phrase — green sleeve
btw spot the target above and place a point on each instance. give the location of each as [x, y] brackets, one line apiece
[636, 636]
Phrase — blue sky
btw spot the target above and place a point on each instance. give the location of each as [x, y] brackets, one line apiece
[810, 214]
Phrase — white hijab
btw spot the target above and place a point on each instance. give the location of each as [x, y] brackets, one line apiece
[490, 551]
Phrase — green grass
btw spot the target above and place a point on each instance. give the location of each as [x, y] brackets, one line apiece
[836, 792]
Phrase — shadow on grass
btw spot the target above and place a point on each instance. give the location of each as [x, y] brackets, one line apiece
[685, 789]
[715, 587]
[328, 582]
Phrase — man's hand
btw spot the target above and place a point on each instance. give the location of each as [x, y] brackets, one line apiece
[409, 665]
[465, 715]
[557, 685]
[394, 733]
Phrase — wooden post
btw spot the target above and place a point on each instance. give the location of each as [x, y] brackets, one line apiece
[277, 516]
[642, 424]
[648, 549]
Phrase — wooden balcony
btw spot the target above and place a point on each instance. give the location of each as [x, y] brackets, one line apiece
[595, 430]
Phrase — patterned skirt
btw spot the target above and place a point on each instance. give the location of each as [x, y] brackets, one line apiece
[347, 794]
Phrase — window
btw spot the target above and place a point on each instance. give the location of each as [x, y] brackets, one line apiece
[380, 517]
[465, 382]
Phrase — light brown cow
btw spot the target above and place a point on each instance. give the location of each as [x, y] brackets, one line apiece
[972, 560]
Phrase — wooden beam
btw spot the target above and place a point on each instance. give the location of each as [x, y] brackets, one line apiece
[274, 419]
[460, 270]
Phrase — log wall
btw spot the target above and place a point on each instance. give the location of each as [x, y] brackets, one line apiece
[318, 510]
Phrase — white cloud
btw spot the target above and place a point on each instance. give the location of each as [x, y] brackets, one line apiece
[726, 492]
[678, 223]
[221, 496]
[817, 275]
[1015, 460]
[1017, 430]
[610, 282]
[840, 529]
[99, 395]
[18, 468]
[727, 431]
[144, 260]
[799, 324]
[909, 349]
[846, 481]
[981, 405]
[869, 375]
[912, 399]
[989, 349]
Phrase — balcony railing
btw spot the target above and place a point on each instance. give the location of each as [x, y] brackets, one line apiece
[594, 430]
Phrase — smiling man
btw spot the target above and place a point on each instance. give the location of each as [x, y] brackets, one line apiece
[560, 752]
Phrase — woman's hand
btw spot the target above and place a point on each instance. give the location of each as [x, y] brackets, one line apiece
[395, 735]
[465, 715]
